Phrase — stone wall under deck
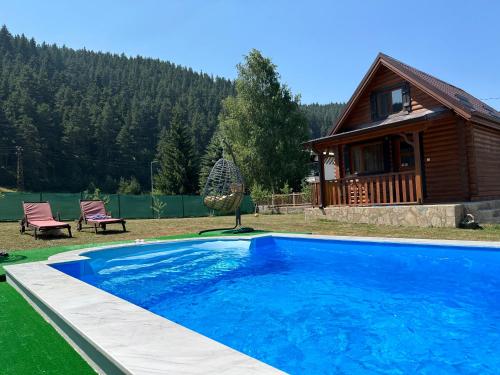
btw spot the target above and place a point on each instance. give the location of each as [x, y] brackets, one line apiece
[435, 215]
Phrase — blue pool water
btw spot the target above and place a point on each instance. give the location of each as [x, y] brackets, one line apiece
[310, 306]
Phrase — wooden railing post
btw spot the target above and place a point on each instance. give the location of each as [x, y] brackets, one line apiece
[418, 167]
[322, 200]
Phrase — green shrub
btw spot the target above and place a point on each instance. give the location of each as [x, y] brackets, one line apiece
[129, 186]
[259, 195]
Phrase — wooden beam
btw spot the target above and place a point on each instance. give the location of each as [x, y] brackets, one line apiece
[337, 161]
[418, 168]
[321, 159]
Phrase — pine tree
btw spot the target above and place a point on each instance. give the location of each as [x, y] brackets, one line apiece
[175, 153]
[7, 147]
[214, 151]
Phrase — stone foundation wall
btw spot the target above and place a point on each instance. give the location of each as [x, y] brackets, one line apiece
[282, 210]
[486, 212]
[438, 216]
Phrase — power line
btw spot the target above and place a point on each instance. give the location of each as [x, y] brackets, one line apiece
[493, 98]
[20, 171]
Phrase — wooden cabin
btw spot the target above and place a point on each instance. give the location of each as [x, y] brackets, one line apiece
[406, 137]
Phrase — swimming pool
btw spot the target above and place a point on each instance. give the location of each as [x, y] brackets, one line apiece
[319, 306]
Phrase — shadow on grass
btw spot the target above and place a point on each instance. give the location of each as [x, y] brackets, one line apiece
[11, 258]
[49, 235]
[110, 231]
[6, 260]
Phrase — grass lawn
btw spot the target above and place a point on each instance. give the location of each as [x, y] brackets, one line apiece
[29, 345]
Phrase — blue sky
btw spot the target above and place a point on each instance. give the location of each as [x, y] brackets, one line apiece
[322, 48]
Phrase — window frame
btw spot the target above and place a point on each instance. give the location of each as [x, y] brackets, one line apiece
[362, 147]
[405, 100]
[399, 155]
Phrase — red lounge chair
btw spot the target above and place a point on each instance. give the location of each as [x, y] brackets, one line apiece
[38, 216]
[94, 212]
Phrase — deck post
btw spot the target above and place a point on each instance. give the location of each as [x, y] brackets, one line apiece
[418, 167]
[321, 159]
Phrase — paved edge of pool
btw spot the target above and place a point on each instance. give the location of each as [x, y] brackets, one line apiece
[118, 337]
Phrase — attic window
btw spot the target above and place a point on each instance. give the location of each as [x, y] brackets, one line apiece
[389, 101]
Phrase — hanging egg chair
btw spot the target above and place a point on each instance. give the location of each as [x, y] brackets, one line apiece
[224, 191]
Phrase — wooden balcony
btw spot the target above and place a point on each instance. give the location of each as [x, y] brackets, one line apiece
[383, 189]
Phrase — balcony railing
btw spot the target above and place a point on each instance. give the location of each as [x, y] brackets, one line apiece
[383, 189]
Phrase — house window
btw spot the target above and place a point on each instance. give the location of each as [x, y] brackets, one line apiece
[367, 158]
[406, 156]
[387, 102]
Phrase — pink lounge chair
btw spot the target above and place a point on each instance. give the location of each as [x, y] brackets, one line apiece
[38, 217]
[94, 212]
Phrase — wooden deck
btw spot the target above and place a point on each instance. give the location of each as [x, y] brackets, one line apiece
[389, 188]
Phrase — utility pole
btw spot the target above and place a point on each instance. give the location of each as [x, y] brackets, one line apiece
[20, 171]
[152, 177]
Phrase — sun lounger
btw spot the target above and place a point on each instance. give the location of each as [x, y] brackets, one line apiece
[94, 213]
[38, 217]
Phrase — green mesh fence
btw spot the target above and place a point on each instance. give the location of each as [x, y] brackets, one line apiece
[112, 202]
[125, 206]
[11, 204]
[63, 205]
[135, 206]
[247, 206]
[173, 205]
[193, 206]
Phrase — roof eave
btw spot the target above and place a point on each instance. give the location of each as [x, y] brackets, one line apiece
[481, 117]
[355, 95]
[311, 143]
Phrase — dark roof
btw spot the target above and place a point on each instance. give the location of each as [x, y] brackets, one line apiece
[451, 96]
[390, 122]
[462, 99]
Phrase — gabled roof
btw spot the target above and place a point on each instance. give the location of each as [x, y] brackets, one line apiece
[450, 96]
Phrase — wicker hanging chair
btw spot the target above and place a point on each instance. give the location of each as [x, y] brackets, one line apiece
[224, 191]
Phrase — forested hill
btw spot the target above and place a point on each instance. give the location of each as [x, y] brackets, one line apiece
[85, 118]
[321, 117]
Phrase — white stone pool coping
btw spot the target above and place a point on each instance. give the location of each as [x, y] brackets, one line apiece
[118, 337]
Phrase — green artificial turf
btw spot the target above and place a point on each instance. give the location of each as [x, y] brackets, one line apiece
[29, 345]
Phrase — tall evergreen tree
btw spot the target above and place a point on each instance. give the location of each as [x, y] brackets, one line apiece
[215, 151]
[175, 152]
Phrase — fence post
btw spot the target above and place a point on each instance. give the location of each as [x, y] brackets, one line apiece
[152, 209]
[41, 197]
[119, 206]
